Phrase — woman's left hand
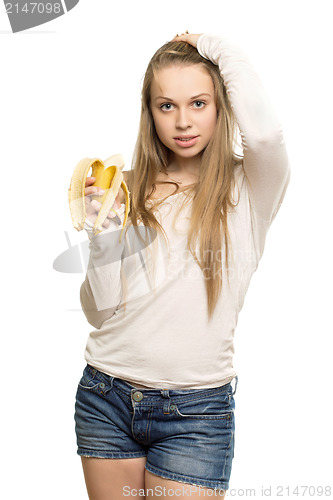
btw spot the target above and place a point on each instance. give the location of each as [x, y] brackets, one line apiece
[187, 37]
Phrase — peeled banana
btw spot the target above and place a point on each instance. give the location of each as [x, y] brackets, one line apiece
[109, 177]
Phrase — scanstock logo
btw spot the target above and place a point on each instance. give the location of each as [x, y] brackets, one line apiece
[24, 15]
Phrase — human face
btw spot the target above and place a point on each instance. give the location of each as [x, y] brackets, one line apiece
[183, 104]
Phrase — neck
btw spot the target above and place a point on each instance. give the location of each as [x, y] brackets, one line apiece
[185, 166]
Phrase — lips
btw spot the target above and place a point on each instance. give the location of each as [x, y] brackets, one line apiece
[185, 136]
[186, 141]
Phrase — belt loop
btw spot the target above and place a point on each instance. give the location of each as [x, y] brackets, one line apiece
[166, 404]
[111, 379]
[236, 382]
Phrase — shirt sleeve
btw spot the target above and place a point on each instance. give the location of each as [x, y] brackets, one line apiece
[265, 161]
[101, 291]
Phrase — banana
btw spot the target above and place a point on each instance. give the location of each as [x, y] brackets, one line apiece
[110, 179]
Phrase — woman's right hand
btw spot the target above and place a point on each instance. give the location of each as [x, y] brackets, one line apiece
[94, 206]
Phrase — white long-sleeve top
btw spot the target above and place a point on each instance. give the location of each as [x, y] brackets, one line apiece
[148, 306]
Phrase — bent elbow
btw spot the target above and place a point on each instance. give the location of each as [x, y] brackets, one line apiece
[267, 139]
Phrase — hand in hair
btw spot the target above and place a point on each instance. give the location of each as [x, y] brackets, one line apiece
[187, 37]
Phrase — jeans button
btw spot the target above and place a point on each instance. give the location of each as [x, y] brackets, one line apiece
[137, 396]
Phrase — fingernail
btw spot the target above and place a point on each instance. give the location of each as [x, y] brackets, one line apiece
[101, 191]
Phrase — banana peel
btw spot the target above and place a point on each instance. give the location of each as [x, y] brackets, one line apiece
[109, 177]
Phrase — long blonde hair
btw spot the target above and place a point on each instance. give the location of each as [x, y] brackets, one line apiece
[212, 194]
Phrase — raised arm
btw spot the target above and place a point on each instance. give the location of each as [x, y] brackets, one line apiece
[265, 161]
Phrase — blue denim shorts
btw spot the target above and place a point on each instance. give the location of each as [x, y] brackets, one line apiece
[187, 435]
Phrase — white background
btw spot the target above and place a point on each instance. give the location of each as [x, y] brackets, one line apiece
[71, 89]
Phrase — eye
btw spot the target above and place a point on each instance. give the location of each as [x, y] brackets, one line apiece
[201, 102]
[165, 104]
[201, 105]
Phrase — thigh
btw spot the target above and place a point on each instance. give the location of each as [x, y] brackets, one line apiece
[194, 442]
[158, 487]
[114, 478]
[103, 420]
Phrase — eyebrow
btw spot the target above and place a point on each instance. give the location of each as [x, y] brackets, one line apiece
[169, 99]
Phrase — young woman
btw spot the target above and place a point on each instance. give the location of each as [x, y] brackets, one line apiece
[155, 405]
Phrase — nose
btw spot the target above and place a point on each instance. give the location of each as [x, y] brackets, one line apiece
[183, 120]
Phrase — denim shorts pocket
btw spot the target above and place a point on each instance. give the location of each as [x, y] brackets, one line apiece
[94, 381]
[216, 406]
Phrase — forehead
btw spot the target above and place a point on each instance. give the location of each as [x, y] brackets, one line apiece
[181, 81]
